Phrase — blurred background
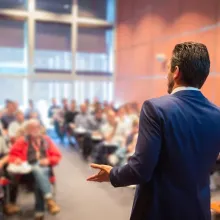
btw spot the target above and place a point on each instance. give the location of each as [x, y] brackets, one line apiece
[60, 49]
[107, 55]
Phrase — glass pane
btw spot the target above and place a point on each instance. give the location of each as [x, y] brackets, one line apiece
[94, 55]
[16, 94]
[57, 6]
[18, 4]
[13, 49]
[53, 48]
[93, 8]
[103, 90]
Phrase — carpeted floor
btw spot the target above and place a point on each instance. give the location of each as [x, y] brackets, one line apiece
[79, 199]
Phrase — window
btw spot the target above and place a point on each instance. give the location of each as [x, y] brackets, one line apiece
[53, 48]
[56, 6]
[93, 8]
[93, 57]
[17, 93]
[13, 49]
[103, 90]
[17, 4]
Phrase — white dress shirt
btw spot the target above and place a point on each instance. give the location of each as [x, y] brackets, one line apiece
[181, 88]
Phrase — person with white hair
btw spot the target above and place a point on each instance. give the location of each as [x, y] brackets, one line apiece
[40, 152]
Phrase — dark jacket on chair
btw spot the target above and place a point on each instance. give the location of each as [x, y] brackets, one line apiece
[178, 143]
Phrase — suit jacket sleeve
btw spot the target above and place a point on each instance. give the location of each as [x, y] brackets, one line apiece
[141, 165]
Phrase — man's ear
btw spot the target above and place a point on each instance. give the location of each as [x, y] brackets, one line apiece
[176, 73]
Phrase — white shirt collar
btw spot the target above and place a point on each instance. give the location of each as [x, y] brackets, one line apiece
[181, 88]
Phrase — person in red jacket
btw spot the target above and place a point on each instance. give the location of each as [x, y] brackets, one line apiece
[41, 153]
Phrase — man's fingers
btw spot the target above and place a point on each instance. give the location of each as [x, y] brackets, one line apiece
[92, 177]
[96, 166]
[96, 175]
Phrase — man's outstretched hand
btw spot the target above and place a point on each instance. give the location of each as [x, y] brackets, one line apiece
[102, 175]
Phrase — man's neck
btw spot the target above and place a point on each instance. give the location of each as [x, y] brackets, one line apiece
[180, 88]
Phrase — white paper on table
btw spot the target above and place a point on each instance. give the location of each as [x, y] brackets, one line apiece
[80, 130]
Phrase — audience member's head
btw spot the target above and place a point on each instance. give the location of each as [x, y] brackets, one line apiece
[73, 106]
[97, 106]
[19, 116]
[65, 103]
[73, 101]
[87, 102]
[11, 108]
[83, 108]
[189, 65]
[121, 112]
[112, 105]
[32, 128]
[54, 102]
[111, 117]
[31, 104]
[105, 104]
[135, 107]
[98, 114]
[129, 109]
[34, 115]
[96, 100]
[106, 107]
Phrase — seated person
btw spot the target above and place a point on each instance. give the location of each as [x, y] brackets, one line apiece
[16, 125]
[41, 153]
[31, 109]
[113, 135]
[58, 119]
[53, 108]
[123, 153]
[81, 126]
[9, 115]
[83, 118]
[95, 123]
[69, 120]
[10, 208]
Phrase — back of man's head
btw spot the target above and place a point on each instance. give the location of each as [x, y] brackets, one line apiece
[193, 62]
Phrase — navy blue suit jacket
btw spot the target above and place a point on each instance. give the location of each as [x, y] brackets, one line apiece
[178, 143]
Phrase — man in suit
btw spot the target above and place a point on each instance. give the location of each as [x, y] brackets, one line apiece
[178, 143]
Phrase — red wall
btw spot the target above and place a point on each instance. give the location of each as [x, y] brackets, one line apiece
[148, 27]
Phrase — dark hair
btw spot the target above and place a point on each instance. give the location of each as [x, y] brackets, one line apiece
[193, 62]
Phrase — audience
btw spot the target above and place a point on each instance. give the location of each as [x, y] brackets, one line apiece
[105, 135]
